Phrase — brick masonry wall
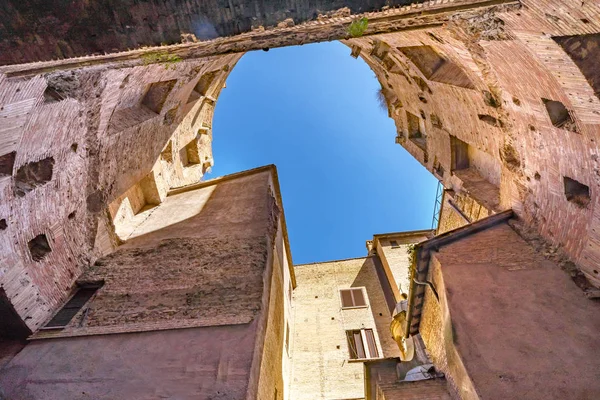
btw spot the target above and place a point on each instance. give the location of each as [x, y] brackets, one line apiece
[320, 356]
[92, 166]
[513, 63]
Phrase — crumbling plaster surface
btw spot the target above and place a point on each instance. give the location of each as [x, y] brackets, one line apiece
[195, 363]
[519, 324]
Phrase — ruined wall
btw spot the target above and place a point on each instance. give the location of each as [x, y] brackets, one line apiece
[34, 30]
[501, 108]
[209, 270]
[72, 142]
[320, 355]
[519, 324]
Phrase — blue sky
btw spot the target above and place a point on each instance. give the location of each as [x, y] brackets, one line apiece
[311, 110]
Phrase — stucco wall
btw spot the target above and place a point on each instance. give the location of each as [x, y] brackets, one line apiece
[518, 322]
[196, 363]
[320, 358]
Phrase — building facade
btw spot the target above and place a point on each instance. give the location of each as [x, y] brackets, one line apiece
[122, 276]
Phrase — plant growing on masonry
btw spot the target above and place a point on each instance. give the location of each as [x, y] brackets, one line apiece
[358, 27]
[381, 100]
[161, 57]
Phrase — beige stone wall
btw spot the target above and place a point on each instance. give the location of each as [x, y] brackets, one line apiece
[319, 349]
[396, 260]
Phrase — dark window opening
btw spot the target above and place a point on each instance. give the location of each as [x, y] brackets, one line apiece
[157, 95]
[415, 134]
[459, 153]
[3, 224]
[361, 344]
[576, 192]
[394, 244]
[205, 83]
[559, 115]
[7, 161]
[72, 307]
[33, 174]
[435, 67]
[488, 119]
[39, 247]
[352, 298]
[584, 50]
[190, 154]
[52, 96]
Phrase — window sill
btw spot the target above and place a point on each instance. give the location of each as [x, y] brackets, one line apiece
[353, 308]
[362, 360]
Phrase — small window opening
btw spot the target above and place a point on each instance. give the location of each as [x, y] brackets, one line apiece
[39, 247]
[7, 161]
[51, 95]
[436, 67]
[3, 224]
[576, 192]
[559, 115]
[190, 154]
[157, 95]
[459, 153]
[72, 307]
[352, 298]
[205, 83]
[394, 244]
[415, 134]
[33, 174]
[361, 344]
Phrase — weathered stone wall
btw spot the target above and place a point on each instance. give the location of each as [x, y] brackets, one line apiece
[72, 142]
[34, 30]
[214, 270]
[320, 355]
[519, 324]
[396, 259]
[477, 89]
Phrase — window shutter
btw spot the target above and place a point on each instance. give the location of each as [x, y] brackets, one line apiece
[351, 345]
[360, 348]
[359, 298]
[69, 310]
[347, 298]
[371, 343]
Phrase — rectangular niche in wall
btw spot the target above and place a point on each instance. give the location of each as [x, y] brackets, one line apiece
[149, 106]
[32, 175]
[157, 94]
[559, 115]
[415, 132]
[39, 247]
[190, 154]
[584, 50]
[576, 192]
[436, 67]
[459, 154]
[203, 87]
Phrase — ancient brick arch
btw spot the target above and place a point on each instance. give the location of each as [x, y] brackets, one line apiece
[123, 129]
